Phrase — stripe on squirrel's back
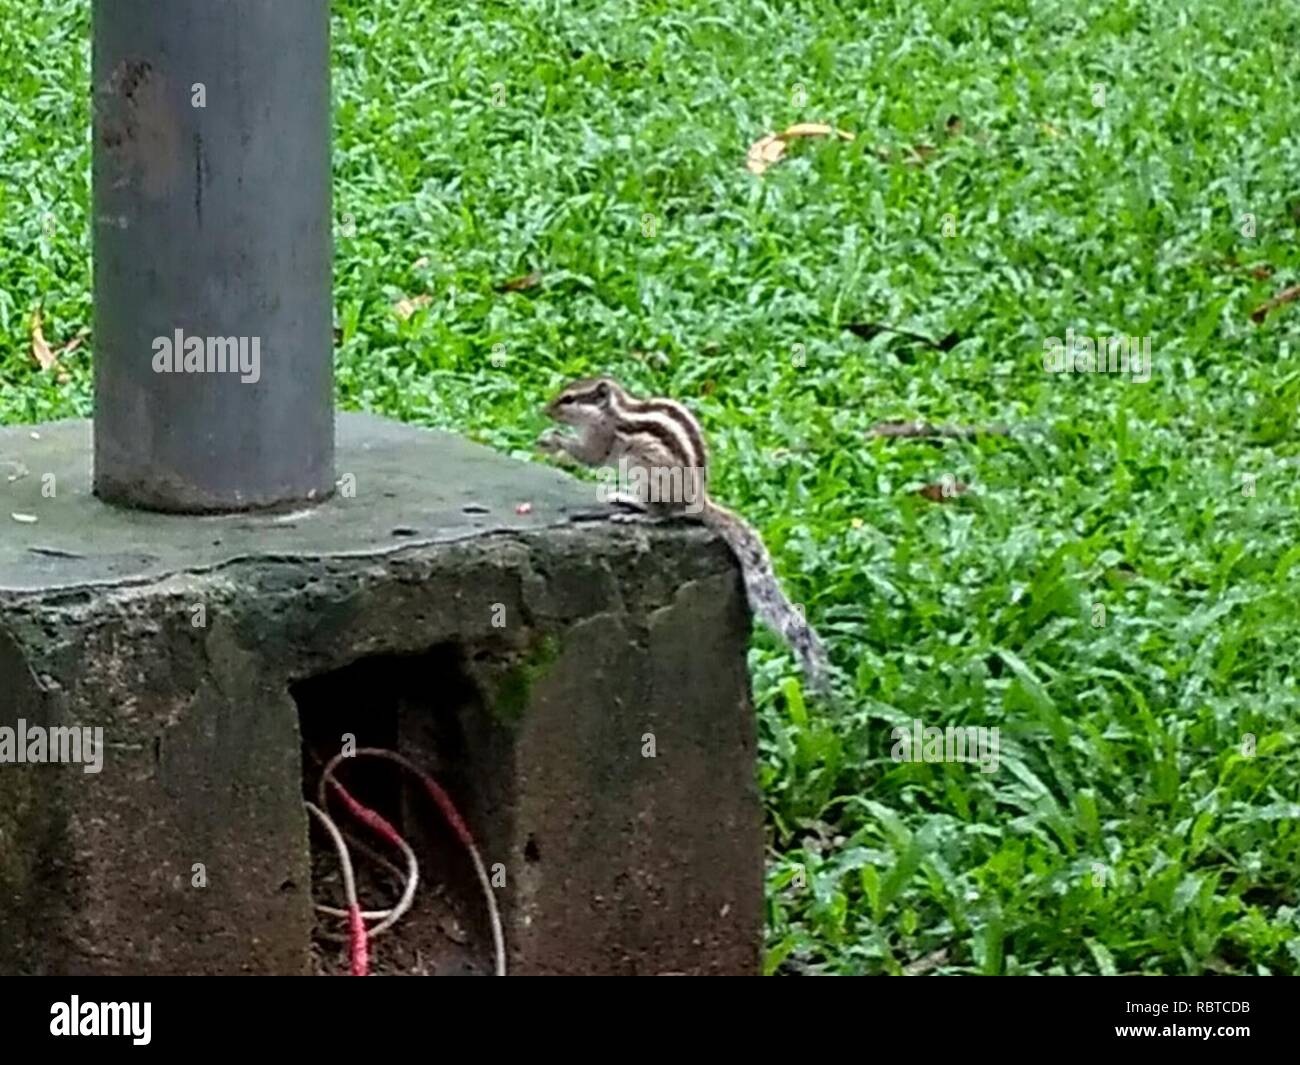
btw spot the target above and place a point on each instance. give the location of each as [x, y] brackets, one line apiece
[657, 430]
[688, 424]
[629, 408]
[675, 431]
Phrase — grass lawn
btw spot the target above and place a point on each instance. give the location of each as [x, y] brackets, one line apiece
[1118, 587]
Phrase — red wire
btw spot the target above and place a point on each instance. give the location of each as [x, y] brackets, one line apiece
[366, 815]
[443, 802]
[358, 941]
[359, 945]
[358, 938]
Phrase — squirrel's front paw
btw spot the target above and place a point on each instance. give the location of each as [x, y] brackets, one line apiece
[551, 442]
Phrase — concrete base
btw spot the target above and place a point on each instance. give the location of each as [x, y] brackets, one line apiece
[578, 685]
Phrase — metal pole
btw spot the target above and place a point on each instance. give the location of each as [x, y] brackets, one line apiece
[212, 238]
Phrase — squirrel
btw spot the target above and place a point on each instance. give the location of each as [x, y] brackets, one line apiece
[661, 440]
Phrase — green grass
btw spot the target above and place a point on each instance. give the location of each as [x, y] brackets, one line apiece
[1122, 744]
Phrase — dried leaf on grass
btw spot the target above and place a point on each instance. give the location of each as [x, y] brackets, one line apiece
[408, 305]
[521, 284]
[768, 150]
[763, 153]
[41, 351]
[1287, 295]
[943, 491]
[48, 358]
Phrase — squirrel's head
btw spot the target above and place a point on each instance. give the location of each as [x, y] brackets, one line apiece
[587, 400]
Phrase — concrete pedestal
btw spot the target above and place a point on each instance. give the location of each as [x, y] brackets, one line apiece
[578, 685]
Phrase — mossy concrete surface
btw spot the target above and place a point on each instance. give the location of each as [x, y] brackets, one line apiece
[605, 761]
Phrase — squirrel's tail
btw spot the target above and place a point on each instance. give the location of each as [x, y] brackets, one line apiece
[766, 598]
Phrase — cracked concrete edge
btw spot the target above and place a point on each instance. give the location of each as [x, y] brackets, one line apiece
[599, 566]
[598, 538]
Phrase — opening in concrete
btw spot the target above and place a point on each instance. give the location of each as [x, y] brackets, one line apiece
[414, 705]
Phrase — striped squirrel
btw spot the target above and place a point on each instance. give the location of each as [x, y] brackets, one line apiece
[661, 440]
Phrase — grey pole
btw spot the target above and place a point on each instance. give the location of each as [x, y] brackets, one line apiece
[212, 245]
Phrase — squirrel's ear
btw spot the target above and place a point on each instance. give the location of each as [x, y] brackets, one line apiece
[602, 391]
